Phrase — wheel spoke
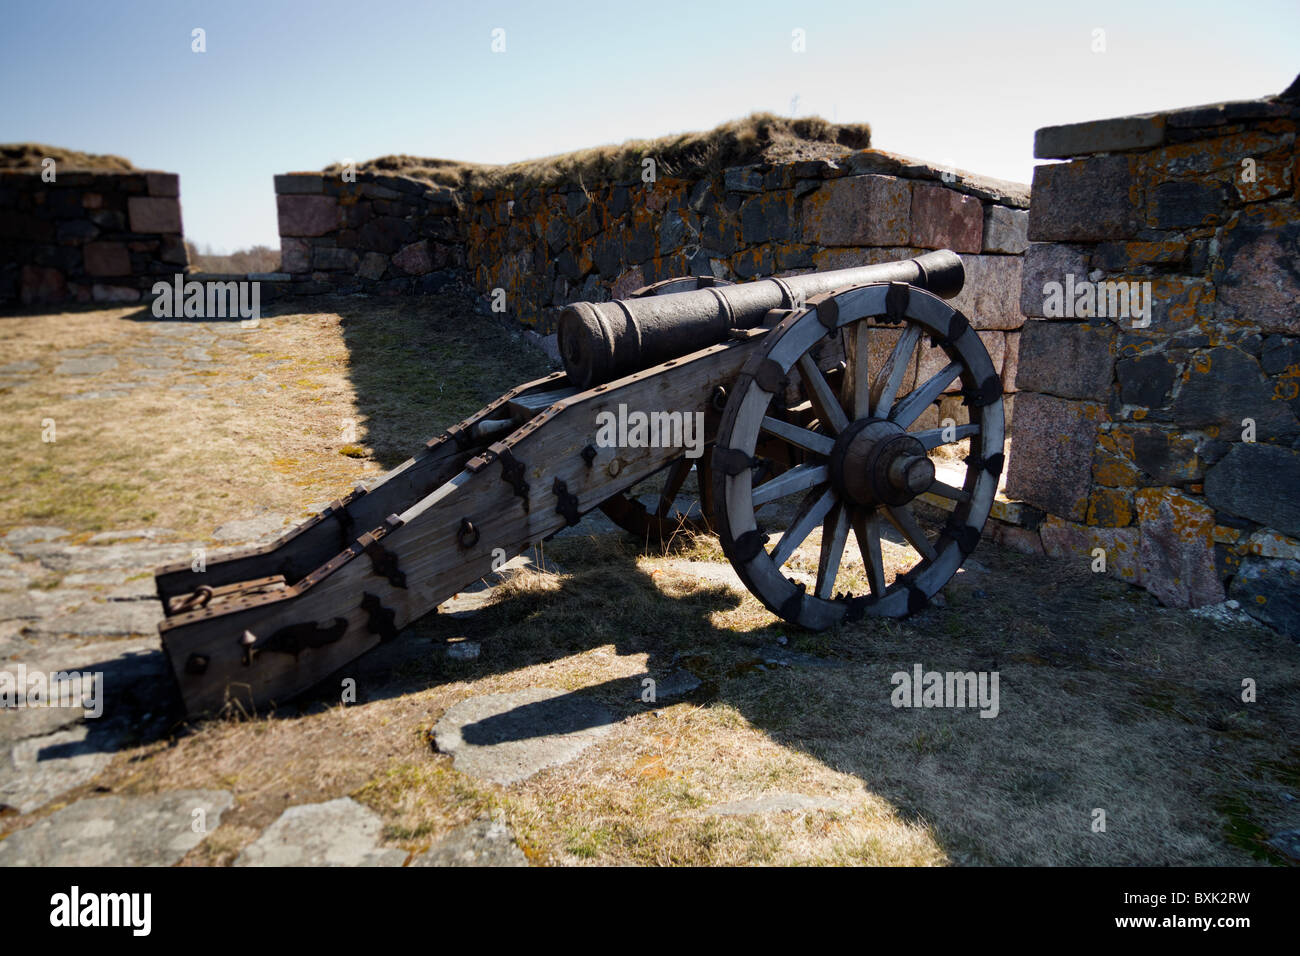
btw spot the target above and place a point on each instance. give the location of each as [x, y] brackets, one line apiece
[932, 438]
[811, 513]
[910, 407]
[704, 481]
[906, 523]
[799, 478]
[835, 532]
[945, 490]
[890, 377]
[857, 381]
[866, 527]
[801, 437]
[677, 473]
[823, 399]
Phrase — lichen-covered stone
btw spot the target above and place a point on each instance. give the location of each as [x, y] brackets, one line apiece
[1186, 205]
[1006, 230]
[754, 262]
[1165, 456]
[1010, 361]
[1121, 257]
[1075, 542]
[1043, 263]
[945, 219]
[858, 211]
[766, 218]
[152, 830]
[306, 215]
[1099, 136]
[1224, 387]
[1258, 481]
[990, 299]
[1268, 589]
[336, 833]
[1051, 464]
[1257, 276]
[744, 179]
[1085, 200]
[1110, 507]
[627, 283]
[1146, 380]
[1177, 548]
[1067, 359]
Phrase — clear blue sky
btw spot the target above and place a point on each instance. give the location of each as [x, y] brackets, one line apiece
[291, 86]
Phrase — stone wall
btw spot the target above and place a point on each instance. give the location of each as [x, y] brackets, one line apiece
[88, 236]
[533, 250]
[1173, 445]
[380, 234]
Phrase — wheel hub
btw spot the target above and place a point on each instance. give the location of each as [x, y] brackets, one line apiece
[876, 462]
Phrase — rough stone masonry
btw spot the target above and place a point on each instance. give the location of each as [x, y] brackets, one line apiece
[536, 249]
[88, 236]
[1174, 445]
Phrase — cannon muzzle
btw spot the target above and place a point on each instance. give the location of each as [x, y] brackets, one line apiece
[602, 341]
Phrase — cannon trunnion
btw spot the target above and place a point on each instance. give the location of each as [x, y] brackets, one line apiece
[795, 403]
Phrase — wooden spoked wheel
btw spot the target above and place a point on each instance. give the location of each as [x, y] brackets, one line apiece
[861, 466]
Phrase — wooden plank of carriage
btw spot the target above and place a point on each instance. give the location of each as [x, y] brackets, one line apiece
[426, 545]
[312, 543]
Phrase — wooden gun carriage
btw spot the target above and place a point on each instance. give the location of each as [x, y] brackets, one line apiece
[793, 410]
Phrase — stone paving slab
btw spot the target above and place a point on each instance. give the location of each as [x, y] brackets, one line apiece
[250, 529]
[481, 843]
[36, 770]
[155, 830]
[339, 833]
[92, 365]
[21, 536]
[107, 619]
[504, 738]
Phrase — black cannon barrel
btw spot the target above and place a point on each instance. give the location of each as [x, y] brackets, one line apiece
[602, 341]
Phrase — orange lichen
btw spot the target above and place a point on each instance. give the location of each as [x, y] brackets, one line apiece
[1110, 508]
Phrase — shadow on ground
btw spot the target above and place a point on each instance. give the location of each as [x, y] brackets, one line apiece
[1107, 701]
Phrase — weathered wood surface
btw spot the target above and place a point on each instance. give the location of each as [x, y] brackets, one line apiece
[206, 648]
[309, 545]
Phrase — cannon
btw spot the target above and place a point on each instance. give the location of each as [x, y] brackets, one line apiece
[797, 386]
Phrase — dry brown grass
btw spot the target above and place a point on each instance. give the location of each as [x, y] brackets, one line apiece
[756, 138]
[270, 431]
[1107, 701]
[30, 155]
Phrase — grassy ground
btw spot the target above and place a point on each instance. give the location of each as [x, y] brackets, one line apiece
[200, 423]
[756, 138]
[1107, 700]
